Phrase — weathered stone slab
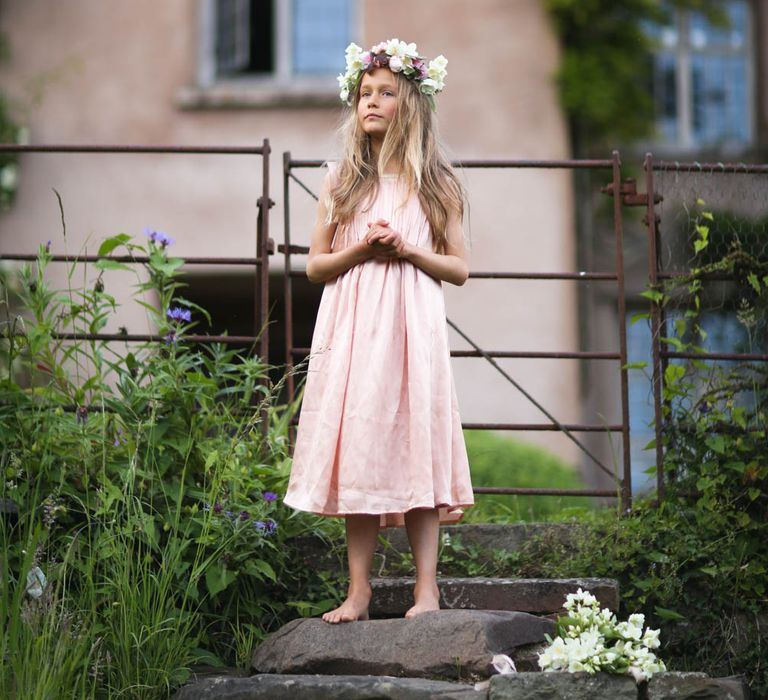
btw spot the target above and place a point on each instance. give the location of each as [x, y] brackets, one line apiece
[320, 687]
[680, 686]
[554, 686]
[441, 644]
[393, 596]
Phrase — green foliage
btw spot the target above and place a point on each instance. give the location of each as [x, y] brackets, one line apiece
[605, 69]
[10, 132]
[145, 478]
[500, 461]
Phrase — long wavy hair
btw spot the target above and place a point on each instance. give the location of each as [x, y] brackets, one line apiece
[411, 142]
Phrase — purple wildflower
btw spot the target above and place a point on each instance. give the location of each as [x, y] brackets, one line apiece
[260, 525]
[269, 496]
[170, 338]
[81, 415]
[158, 237]
[217, 507]
[230, 514]
[179, 314]
[271, 526]
[206, 506]
[244, 515]
[48, 247]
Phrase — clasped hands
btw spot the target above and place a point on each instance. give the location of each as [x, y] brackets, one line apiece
[384, 241]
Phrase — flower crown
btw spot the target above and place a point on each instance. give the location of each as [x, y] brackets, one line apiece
[399, 57]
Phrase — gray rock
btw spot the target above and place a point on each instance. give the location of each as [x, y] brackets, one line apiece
[393, 596]
[677, 686]
[440, 644]
[319, 687]
[558, 685]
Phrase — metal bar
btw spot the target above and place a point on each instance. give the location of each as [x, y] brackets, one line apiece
[517, 354]
[735, 356]
[543, 492]
[146, 337]
[546, 164]
[575, 276]
[618, 229]
[287, 280]
[85, 148]
[655, 324]
[139, 259]
[517, 386]
[712, 168]
[544, 427]
[303, 186]
[261, 252]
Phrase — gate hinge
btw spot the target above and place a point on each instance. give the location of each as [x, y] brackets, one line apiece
[630, 197]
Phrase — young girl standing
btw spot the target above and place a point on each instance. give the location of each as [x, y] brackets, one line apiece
[379, 440]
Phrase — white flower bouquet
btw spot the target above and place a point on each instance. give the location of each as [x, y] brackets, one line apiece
[590, 639]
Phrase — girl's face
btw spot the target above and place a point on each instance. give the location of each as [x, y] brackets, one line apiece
[378, 102]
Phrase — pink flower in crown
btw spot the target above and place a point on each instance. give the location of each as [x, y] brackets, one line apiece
[421, 69]
[379, 48]
[366, 57]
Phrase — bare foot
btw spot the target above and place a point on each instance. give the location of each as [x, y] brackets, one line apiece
[426, 597]
[355, 607]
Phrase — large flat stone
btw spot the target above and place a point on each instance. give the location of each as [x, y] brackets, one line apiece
[320, 687]
[554, 686]
[393, 596]
[682, 686]
[451, 644]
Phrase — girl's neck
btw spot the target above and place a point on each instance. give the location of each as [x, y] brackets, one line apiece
[393, 167]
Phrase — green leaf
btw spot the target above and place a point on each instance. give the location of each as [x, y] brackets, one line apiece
[707, 215]
[653, 295]
[217, 578]
[111, 243]
[260, 569]
[107, 264]
[710, 570]
[635, 365]
[638, 317]
[716, 443]
[667, 614]
[754, 282]
[753, 493]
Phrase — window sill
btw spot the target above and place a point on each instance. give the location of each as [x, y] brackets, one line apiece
[250, 95]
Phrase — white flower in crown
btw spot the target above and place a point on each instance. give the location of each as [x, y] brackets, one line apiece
[399, 57]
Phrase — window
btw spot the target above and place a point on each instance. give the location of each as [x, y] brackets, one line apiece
[293, 47]
[702, 79]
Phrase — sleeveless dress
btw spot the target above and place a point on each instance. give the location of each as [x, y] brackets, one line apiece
[379, 430]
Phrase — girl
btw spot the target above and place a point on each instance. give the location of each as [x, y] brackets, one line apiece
[379, 440]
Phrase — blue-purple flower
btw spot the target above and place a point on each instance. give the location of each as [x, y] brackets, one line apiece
[269, 496]
[217, 507]
[170, 338]
[179, 314]
[158, 237]
[244, 515]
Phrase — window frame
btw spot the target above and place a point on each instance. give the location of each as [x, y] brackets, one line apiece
[683, 53]
[279, 89]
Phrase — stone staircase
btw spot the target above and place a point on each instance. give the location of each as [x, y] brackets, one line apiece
[443, 654]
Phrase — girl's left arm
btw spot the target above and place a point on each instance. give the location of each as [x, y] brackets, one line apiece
[450, 266]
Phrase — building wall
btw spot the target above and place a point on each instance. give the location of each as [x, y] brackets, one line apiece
[86, 71]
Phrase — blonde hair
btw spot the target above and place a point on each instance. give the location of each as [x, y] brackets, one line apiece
[410, 141]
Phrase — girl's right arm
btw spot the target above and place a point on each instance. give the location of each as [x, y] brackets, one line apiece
[322, 264]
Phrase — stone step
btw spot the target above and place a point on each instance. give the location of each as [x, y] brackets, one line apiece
[483, 537]
[268, 686]
[393, 596]
[515, 686]
[443, 644]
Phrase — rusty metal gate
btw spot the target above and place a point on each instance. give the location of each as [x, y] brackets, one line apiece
[622, 193]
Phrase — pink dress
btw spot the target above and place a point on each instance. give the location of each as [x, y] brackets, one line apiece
[379, 430]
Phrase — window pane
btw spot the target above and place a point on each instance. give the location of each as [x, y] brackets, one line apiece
[232, 35]
[665, 95]
[719, 95]
[321, 32]
[703, 35]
